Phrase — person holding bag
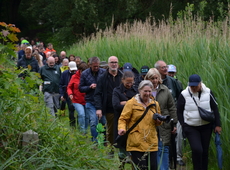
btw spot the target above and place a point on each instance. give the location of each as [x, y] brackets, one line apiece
[197, 130]
[142, 141]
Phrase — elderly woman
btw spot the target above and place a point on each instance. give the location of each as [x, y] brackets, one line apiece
[197, 130]
[142, 141]
[162, 94]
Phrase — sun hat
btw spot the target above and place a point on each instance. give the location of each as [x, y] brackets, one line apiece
[194, 80]
[72, 65]
[171, 68]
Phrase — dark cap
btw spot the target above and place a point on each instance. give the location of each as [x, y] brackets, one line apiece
[127, 67]
[194, 80]
[144, 70]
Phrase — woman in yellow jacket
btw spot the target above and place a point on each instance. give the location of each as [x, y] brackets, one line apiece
[142, 141]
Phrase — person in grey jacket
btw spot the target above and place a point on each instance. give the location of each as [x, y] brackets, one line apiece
[162, 94]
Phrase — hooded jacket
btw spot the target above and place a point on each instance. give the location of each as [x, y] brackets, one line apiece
[144, 136]
[73, 88]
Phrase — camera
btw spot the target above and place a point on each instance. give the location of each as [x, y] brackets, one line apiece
[161, 118]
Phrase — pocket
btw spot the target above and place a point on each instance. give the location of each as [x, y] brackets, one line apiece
[134, 138]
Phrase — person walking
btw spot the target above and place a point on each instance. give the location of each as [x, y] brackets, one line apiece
[162, 94]
[197, 130]
[104, 92]
[142, 141]
[88, 84]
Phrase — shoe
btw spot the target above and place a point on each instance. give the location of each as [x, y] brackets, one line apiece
[181, 163]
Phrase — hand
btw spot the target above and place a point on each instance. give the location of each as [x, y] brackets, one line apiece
[93, 86]
[123, 102]
[218, 129]
[121, 132]
[71, 97]
[174, 130]
[62, 98]
[99, 114]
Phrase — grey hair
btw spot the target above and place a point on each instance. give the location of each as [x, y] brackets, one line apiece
[94, 60]
[157, 65]
[145, 83]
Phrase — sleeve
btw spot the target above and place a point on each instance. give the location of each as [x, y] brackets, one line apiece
[116, 101]
[172, 109]
[70, 86]
[61, 84]
[180, 109]
[125, 116]
[98, 93]
[215, 109]
[83, 87]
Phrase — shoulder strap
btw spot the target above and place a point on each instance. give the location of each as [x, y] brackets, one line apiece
[192, 97]
[135, 124]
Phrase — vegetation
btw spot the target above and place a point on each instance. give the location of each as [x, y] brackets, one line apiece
[193, 45]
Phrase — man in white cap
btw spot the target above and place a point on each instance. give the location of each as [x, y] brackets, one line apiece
[64, 81]
[28, 61]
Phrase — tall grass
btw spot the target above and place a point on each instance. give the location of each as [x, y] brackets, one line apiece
[191, 44]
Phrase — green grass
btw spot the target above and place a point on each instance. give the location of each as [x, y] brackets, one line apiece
[194, 46]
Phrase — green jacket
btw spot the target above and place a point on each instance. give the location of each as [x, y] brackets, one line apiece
[51, 78]
[167, 106]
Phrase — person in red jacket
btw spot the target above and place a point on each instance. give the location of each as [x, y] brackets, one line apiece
[78, 98]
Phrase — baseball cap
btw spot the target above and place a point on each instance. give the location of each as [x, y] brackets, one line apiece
[127, 67]
[72, 65]
[171, 68]
[194, 80]
[144, 70]
[30, 47]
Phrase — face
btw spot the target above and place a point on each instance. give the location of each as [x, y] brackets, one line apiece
[155, 80]
[94, 67]
[63, 55]
[78, 60]
[71, 58]
[28, 53]
[163, 68]
[196, 89]
[50, 47]
[128, 82]
[56, 59]
[171, 74]
[48, 54]
[145, 92]
[51, 62]
[65, 62]
[113, 63]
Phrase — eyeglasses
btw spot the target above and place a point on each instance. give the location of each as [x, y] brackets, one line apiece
[113, 62]
[164, 67]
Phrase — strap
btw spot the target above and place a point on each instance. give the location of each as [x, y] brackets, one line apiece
[192, 97]
[135, 124]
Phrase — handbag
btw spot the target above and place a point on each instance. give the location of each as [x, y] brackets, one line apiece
[204, 114]
[121, 140]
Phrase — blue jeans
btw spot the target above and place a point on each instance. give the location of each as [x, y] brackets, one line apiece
[162, 156]
[81, 116]
[93, 120]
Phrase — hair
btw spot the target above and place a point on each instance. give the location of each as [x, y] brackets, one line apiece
[71, 55]
[153, 72]
[127, 74]
[77, 57]
[49, 44]
[145, 83]
[157, 65]
[94, 60]
[82, 66]
[65, 59]
[111, 57]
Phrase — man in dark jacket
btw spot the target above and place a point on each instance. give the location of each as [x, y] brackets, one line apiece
[104, 91]
[88, 83]
[65, 78]
[28, 61]
[50, 74]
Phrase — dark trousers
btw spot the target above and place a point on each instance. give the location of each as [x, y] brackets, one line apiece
[145, 160]
[110, 129]
[71, 109]
[199, 140]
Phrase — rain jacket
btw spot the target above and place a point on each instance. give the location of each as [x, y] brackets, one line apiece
[144, 136]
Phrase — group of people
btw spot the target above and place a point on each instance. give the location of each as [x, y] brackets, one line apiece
[118, 96]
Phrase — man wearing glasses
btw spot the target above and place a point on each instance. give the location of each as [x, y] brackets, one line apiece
[103, 94]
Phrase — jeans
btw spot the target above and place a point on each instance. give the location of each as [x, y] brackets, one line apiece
[52, 102]
[93, 120]
[162, 156]
[81, 116]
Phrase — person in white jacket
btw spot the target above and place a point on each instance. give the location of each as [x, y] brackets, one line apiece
[197, 130]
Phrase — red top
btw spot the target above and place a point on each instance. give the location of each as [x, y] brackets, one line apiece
[73, 89]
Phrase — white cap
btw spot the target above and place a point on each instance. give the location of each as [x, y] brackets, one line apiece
[172, 68]
[30, 47]
[72, 65]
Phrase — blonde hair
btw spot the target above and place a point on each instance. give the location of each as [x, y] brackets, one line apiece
[153, 72]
